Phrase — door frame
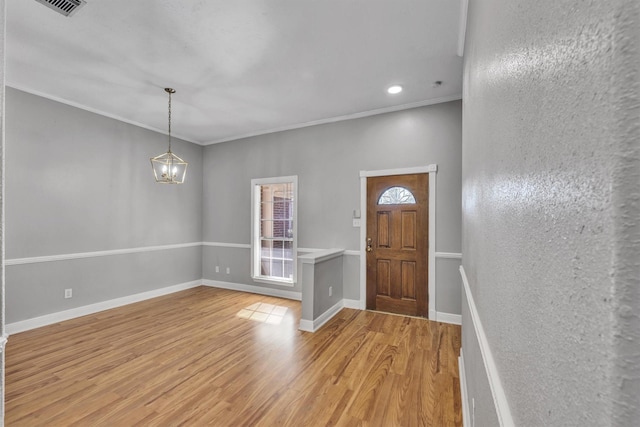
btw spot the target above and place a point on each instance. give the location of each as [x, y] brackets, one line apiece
[431, 170]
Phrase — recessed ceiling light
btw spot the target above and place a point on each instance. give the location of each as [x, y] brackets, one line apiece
[394, 89]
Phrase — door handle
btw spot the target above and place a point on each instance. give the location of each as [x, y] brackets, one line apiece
[369, 248]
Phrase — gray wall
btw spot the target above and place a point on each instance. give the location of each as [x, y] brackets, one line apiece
[551, 233]
[80, 182]
[317, 278]
[327, 160]
[327, 274]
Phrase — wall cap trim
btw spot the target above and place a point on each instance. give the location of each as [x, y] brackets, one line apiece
[60, 316]
[350, 252]
[321, 256]
[497, 391]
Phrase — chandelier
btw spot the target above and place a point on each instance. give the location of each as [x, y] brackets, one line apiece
[167, 167]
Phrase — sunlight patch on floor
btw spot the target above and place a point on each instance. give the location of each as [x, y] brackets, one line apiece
[264, 313]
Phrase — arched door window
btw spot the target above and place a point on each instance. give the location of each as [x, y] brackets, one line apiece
[397, 196]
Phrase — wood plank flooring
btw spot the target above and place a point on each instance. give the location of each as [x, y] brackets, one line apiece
[209, 356]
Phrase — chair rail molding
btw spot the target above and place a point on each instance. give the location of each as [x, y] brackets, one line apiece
[81, 255]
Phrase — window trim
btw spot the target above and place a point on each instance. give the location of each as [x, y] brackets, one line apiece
[255, 230]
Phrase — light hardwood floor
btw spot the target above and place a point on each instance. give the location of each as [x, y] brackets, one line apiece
[215, 357]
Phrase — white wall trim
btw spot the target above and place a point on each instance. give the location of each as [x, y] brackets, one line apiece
[449, 255]
[3, 342]
[81, 255]
[312, 326]
[432, 170]
[399, 171]
[60, 316]
[342, 118]
[464, 394]
[321, 256]
[228, 245]
[349, 252]
[432, 242]
[454, 319]
[280, 293]
[98, 112]
[352, 303]
[497, 391]
[306, 325]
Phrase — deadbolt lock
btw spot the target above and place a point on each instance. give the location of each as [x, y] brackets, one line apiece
[369, 248]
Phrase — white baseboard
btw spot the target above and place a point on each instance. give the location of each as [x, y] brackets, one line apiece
[281, 293]
[497, 391]
[60, 316]
[352, 303]
[306, 325]
[454, 319]
[312, 326]
[464, 395]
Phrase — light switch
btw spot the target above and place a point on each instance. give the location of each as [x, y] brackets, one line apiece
[356, 222]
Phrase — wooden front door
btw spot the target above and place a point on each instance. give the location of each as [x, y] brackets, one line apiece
[397, 244]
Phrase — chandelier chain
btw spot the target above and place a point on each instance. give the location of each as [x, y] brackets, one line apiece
[169, 120]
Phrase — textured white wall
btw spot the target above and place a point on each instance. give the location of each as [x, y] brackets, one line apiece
[551, 206]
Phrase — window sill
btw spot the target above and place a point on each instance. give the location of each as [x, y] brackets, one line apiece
[270, 281]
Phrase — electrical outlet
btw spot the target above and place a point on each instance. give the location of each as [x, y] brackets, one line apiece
[228, 270]
[217, 269]
[68, 293]
[330, 290]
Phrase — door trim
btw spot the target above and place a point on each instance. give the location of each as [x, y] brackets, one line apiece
[431, 170]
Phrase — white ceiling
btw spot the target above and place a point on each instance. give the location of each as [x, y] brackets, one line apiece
[240, 67]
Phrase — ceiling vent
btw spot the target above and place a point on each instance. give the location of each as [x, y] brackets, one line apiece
[64, 7]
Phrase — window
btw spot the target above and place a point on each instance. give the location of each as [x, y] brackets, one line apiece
[274, 229]
[397, 196]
